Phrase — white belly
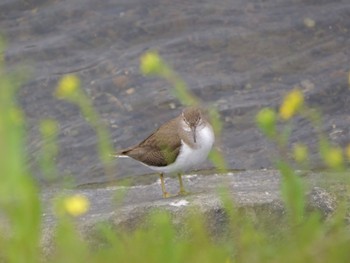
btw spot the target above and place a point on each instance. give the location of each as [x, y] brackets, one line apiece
[190, 157]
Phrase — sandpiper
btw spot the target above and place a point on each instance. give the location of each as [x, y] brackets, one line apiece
[177, 146]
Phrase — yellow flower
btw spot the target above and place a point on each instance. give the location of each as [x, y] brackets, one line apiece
[266, 121]
[291, 104]
[67, 86]
[76, 205]
[309, 22]
[151, 63]
[48, 127]
[334, 157]
[300, 152]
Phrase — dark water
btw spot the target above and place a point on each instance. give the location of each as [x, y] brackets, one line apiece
[238, 55]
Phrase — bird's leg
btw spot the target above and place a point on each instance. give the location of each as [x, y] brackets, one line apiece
[182, 189]
[165, 193]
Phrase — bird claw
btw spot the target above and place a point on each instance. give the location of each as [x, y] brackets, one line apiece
[166, 195]
[183, 192]
[180, 193]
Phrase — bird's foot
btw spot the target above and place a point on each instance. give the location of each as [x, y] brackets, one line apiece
[182, 193]
[166, 195]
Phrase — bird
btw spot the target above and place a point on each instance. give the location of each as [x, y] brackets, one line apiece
[176, 146]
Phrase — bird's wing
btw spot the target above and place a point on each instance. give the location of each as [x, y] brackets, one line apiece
[160, 148]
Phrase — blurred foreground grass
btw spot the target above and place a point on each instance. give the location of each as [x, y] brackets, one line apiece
[297, 237]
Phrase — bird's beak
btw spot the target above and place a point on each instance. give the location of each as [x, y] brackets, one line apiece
[194, 134]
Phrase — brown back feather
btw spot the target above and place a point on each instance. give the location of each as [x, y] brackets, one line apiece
[160, 148]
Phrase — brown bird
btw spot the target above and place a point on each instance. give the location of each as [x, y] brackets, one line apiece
[176, 146]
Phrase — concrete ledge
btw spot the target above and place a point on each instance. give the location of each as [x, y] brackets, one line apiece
[249, 189]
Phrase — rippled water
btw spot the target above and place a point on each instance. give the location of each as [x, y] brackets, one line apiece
[238, 55]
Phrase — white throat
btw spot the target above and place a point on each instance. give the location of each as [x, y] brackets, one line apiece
[189, 157]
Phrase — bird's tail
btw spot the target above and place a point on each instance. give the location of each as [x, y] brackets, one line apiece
[118, 155]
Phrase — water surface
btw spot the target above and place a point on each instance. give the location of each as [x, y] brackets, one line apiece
[237, 55]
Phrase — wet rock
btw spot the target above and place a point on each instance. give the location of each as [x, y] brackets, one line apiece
[321, 200]
[254, 193]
